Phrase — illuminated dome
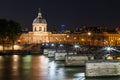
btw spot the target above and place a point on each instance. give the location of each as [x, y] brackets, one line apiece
[39, 19]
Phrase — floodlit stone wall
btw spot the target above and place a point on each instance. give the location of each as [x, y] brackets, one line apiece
[51, 53]
[75, 60]
[102, 68]
[60, 56]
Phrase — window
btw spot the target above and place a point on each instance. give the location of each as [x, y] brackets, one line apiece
[35, 28]
[39, 28]
[44, 29]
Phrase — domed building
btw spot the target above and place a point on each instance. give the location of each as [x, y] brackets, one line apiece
[39, 31]
[39, 34]
[39, 24]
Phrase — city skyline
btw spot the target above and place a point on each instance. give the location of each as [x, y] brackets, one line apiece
[69, 13]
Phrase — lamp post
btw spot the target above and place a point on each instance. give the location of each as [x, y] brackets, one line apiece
[74, 40]
[108, 49]
[67, 44]
[67, 38]
[63, 40]
[89, 34]
[89, 37]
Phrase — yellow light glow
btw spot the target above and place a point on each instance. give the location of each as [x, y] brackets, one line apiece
[118, 58]
[89, 33]
[68, 36]
[19, 40]
[74, 37]
[109, 58]
[1, 47]
[15, 58]
[15, 64]
[82, 39]
[118, 38]
[17, 47]
[0, 57]
[112, 40]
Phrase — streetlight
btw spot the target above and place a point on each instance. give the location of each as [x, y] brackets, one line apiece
[108, 49]
[76, 47]
[83, 41]
[64, 40]
[89, 37]
[52, 45]
[74, 40]
[67, 38]
[89, 34]
[67, 43]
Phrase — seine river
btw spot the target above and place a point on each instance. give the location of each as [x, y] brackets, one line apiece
[31, 67]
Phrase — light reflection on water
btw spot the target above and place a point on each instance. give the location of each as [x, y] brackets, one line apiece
[30, 67]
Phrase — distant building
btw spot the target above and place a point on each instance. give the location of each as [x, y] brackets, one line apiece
[25, 30]
[98, 36]
[39, 31]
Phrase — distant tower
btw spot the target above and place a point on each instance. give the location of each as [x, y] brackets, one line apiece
[39, 24]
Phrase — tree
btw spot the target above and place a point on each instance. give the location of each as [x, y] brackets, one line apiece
[3, 32]
[10, 31]
[14, 31]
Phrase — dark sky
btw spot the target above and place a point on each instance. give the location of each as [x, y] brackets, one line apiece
[72, 13]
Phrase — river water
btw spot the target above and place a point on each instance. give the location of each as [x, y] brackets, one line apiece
[39, 67]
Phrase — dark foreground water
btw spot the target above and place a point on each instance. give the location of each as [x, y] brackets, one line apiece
[31, 67]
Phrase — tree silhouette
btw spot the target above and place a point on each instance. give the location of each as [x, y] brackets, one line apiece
[10, 31]
[3, 32]
[14, 32]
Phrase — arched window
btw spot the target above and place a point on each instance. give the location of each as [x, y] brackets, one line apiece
[39, 28]
[44, 29]
[35, 28]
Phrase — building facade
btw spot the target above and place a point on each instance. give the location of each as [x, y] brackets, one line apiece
[39, 34]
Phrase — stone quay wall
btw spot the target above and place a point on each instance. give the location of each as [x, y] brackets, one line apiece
[102, 68]
[75, 60]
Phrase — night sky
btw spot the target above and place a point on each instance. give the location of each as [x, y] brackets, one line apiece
[71, 13]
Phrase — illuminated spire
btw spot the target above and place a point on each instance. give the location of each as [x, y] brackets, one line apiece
[39, 13]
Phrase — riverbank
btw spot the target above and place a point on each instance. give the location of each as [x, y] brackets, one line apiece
[19, 52]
